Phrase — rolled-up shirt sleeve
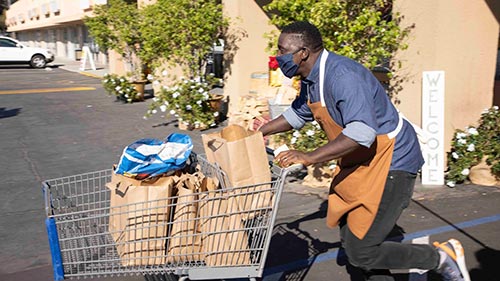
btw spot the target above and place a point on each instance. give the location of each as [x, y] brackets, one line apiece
[360, 133]
[299, 112]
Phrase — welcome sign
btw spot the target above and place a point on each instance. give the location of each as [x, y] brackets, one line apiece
[433, 126]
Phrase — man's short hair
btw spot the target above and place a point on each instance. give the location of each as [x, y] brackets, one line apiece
[309, 34]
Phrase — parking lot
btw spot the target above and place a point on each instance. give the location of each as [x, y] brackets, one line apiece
[56, 123]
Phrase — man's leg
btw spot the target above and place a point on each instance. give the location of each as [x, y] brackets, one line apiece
[375, 255]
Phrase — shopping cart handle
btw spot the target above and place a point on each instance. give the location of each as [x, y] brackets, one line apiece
[294, 168]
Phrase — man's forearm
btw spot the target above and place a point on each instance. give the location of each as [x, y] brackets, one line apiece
[275, 126]
[334, 149]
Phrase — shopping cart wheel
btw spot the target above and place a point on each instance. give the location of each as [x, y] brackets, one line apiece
[161, 277]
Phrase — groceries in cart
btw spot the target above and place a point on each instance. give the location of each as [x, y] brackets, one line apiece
[153, 196]
[163, 209]
[241, 153]
[151, 157]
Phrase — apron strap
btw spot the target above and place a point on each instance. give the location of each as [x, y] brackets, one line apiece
[322, 64]
[396, 131]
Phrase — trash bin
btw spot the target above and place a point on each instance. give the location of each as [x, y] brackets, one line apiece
[78, 54]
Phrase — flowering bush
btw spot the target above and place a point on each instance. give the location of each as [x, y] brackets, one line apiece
[188, 100]
[121, 87]
[471, 145]
[307, 139]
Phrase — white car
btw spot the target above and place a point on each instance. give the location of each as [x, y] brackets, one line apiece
[13, 51]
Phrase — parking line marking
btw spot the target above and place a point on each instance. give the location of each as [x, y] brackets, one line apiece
[47, 90]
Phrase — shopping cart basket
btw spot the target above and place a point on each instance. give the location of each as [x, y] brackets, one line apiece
[78, 216]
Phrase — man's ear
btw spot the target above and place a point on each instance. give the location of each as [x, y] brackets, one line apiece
[304, 54]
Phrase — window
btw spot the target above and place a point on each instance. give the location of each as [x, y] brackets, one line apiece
[7, 43]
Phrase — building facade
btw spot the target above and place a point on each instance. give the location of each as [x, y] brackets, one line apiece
[53, 24]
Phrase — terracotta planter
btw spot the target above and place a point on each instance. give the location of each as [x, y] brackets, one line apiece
[139, 87]
[216, 103]
[190, 127]
[481, 175]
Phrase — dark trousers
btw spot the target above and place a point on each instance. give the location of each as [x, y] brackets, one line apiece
[375, 256]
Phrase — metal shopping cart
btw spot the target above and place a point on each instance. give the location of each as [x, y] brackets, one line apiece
[78, 223]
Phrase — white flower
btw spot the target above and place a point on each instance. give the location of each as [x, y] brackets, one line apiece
[293, 140]
[165, 87]
[462, 141]
[310, 133]
[465, 172]
[129, 100]
[163, 108]
[495, 107]
[155, 99]
[122, 80]
[486, 110]
[154, 111]
[105, 81]
[164, 73]
[472, 131]
[118, 88]
[166, 103]
[296, 134]
[216, 114]
[450, 183]
[175, 95]
[471, 147]
[150, 77]
[126, 95]
[201, 90]
[199, 102]
[461, 135]
[156, 82]
[172, 112]
[189, 107]
[454, 155]
[314, 123]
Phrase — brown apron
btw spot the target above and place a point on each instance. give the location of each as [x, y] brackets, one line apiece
[360, 176]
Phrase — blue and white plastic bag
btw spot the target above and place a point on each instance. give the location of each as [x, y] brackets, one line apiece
[152, 157]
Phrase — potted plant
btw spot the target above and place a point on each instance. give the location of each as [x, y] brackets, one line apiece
[115, 26]
[203, 26]
[121, 87]
[476, 150]
[189, 101]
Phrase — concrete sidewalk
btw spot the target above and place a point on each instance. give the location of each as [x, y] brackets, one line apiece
[76, 66]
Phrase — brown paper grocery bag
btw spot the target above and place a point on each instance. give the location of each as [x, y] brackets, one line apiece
[242, 155]
[224, 240]
[139, 213]
[184, 243]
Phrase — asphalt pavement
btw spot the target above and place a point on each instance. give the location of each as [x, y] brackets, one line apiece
[71, 126]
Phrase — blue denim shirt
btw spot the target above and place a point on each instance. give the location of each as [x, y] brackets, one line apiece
[358, 103]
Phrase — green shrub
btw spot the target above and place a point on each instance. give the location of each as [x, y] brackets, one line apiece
[471, 145]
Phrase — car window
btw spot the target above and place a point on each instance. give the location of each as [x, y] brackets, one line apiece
[7, 43]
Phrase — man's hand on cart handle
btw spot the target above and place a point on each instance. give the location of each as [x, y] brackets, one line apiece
[291, 159]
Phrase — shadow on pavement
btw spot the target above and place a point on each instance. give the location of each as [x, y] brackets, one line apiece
[488, 265]
[5, 113]
[296, 250]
